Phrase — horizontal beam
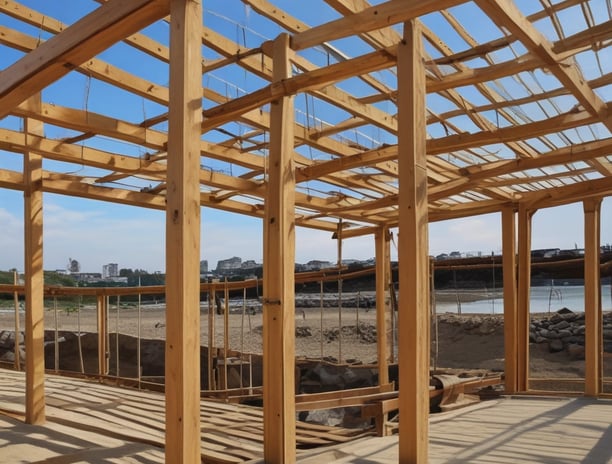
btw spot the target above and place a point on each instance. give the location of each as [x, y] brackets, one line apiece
[513, 133]
[86, 38]
[370, 19]
[304, 82]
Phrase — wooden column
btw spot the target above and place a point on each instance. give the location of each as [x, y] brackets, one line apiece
[510, 313]
[102, 322]
[381, 239]
[413, 317]
[593, 368]
[524, 290]
[34, 278]
[183, 235]
[279, 280]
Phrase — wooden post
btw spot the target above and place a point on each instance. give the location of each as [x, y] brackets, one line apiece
[593, 368]
[524, 289]
[183, 235]
[279, 280]
[510, 313]
[413, 317]
[34, 278]
[102, 322]
[381, 243]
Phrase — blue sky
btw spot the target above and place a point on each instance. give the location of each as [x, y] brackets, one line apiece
[96, 233]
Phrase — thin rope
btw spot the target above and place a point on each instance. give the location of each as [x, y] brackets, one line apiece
[16, 333]
[242, 333]
[321, 308]
[138, 348]
[117, 337]
[79, 335]
[56, 338]
[225, 332]
[211, 321]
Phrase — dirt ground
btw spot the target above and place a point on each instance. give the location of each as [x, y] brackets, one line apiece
[457, 341]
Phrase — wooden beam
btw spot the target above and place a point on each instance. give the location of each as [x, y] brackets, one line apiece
[565, 155]
[486, 174]
[557, 196]
[34, 278]
[508, 16]
[513, 133]
[413, 322]
[375, 17]
[291, 85]
[93, 67]
[382, 240]
[183, 236]
[471, 76]
[524, 290]
[593, 319]
[583, 39]
[279, 262]
[508, 217]
[86, 38]
[357, 160]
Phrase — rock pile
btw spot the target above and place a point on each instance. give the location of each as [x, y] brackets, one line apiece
[474, 324]
[333, 300]
[564, 331]
[366, 333]
[560, 331]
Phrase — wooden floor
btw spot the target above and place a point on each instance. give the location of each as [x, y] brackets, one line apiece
[509, 430]
[93, 423]
[88, 422]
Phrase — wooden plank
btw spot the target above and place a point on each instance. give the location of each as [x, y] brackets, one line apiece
[524, 289]
[508, 217]
[593, 368]
[364, 391]
[34, 278]
[413, 322]
[279, 262]
[342, 398]
[382, 239]
[86, 38]
[376, 17]
[183, 236]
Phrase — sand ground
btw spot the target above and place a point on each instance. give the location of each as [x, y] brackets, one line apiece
[317, 335]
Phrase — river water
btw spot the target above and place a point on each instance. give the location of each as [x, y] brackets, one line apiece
[542, 300]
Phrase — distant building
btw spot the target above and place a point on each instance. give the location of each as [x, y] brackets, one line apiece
[545, 253]
[250, 264]
[231, 264]
[204, 266]
[87, 276]
[110, 270]
[315, 265]
[74, 267]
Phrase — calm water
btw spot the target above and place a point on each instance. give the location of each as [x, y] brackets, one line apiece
[543, 299]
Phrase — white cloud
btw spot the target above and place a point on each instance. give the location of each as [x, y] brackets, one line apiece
[12, 240]
[478, 233]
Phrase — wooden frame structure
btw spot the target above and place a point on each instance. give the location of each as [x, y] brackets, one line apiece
[410, 127]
